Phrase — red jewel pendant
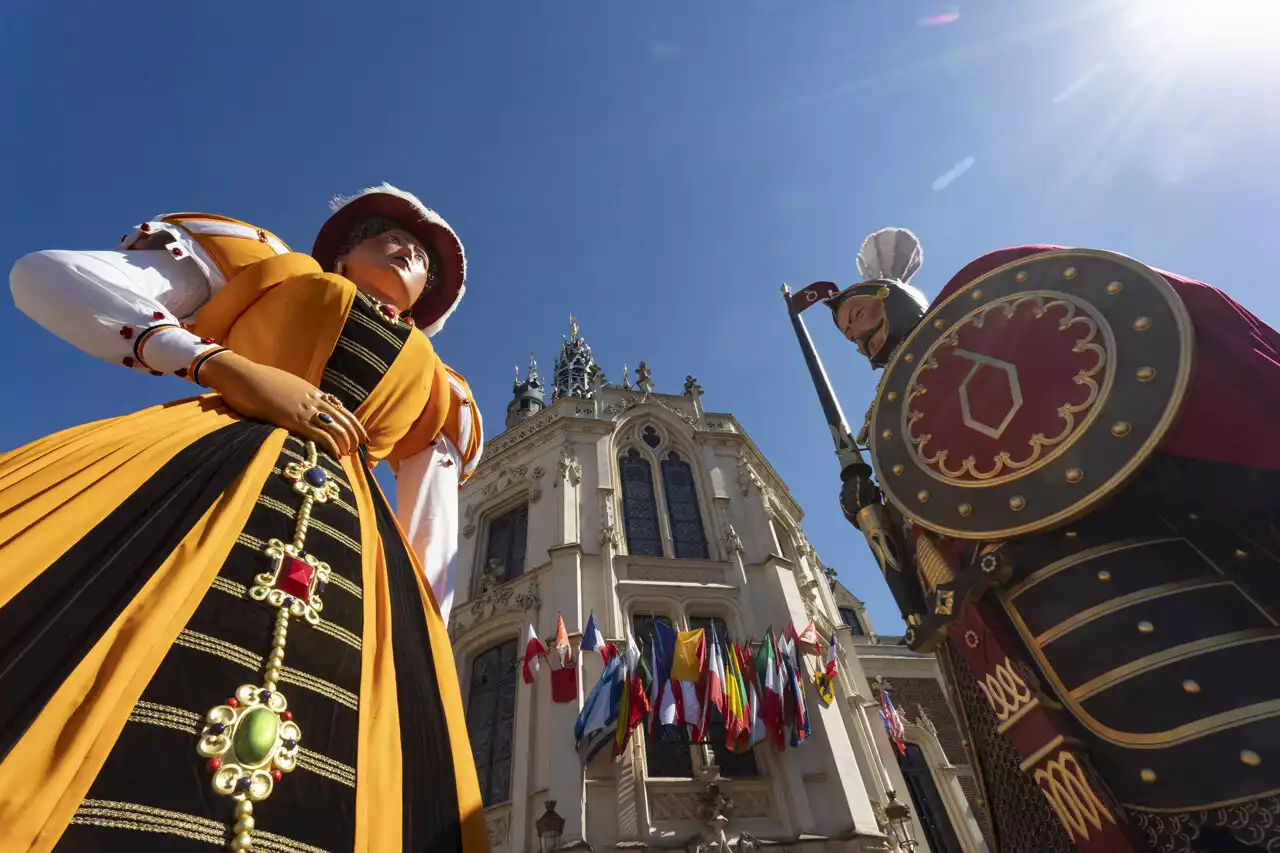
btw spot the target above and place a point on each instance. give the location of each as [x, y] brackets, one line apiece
[295, 578]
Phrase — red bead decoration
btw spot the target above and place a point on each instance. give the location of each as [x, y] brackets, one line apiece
[213, 765]
[287, 716]
[276, 774]
[181, 373]
[157, 373]
[127, 361]
[295, 578]
[126, 332]
[177, 252]
[232, 702]
[207, 341]
[145, 228]
[157, 315]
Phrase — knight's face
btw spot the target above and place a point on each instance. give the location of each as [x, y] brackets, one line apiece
[862, 320]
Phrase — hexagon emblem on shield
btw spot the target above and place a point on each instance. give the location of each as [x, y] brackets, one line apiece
[1031, 394]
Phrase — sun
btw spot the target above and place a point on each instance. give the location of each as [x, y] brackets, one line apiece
[1228, 30]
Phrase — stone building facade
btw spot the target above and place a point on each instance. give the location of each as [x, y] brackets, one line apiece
[631, 505]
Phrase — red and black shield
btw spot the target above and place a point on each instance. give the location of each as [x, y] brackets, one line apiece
[1031, 394]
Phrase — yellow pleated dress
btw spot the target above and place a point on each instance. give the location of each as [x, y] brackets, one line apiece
[197, 610]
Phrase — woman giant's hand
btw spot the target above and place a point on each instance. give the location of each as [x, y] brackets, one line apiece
[277, 397]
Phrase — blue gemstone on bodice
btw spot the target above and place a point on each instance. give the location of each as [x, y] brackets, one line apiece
[315, 477]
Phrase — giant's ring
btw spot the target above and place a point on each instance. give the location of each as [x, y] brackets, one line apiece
[324, 418]
[332, 400]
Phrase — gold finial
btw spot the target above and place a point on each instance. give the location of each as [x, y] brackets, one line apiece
[573, 327]
[786, 289]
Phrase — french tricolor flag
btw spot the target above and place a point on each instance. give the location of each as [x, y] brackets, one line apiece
[593, 640]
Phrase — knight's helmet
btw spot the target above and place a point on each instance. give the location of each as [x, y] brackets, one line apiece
[887, 260]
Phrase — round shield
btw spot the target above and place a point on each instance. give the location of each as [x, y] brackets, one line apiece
[1031, 394]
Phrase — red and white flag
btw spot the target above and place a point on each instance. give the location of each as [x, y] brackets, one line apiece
[893, 722]
[808, 641]
[532, 649]
[715, 682]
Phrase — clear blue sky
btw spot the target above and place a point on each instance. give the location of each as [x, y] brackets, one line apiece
[656, 168]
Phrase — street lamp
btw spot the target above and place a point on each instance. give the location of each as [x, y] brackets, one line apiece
[900, 823]
[550, 827]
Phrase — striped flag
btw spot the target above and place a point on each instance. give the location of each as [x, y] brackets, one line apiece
[831, 659]
[893, 722]
[592, 639]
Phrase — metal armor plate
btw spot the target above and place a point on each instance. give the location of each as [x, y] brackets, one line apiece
[1031, 394]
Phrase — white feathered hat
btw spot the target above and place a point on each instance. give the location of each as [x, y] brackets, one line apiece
[439, 300]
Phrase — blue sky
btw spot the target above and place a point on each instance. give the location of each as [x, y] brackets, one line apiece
[656, 168]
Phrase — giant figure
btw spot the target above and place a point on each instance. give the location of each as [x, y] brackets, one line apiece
[214, 630]
[1075, 494]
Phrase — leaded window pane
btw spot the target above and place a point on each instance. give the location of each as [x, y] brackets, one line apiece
[849, 617]
[733, 765]
[639, 506]
[491, 711]
[682, 508]
[508, 540]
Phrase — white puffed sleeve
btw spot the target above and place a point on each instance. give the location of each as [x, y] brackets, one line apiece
[125, 307]
[427, 508]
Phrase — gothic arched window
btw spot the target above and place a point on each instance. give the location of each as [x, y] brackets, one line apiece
[639, 505]
[491, 713]
[682, 508]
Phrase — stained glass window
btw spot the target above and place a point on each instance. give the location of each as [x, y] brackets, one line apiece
[666, 751]
[508, 537]
[491, 711]
[682, 508]
[733, 765]
[652, 437]
[639, 505]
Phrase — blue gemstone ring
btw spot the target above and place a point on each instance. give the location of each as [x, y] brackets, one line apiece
[324, 418]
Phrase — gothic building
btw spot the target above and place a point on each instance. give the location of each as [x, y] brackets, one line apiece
[632, 505]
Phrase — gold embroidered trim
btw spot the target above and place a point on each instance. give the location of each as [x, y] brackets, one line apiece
[165, 715]
[338, 632]
[251, 541]
[342, 583]
[322, 765]
[327, 689]
[364, 354]
[140, 818]
[380, 328]
[219, 648]
[230, 587]
[335, 534]
[279, 506]
[348, 507]
[345, 384]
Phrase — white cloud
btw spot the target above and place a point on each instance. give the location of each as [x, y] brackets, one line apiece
[944, 180]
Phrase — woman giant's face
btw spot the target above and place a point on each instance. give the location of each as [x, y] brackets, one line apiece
[392, 267]
[862, 320]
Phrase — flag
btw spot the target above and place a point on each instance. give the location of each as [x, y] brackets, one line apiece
[622, 732]
[734, 702]
[892, 722]
[754, 727]
[796, 715]
[564, 652]
[826, 690]
[713, 689]
[771, 689]
[665, 722]
[592, 639]
[819, 291]
[564, 684]
[533, 647]
[598, 719]
[831, 659]
[686, 670]
[638, 702]
[808, 641]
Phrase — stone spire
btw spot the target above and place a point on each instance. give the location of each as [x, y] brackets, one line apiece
[575, 369]
[526, 395]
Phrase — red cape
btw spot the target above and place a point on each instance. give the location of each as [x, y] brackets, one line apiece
[1232, 409]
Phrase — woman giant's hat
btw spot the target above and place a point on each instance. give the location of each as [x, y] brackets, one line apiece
[429, 227]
